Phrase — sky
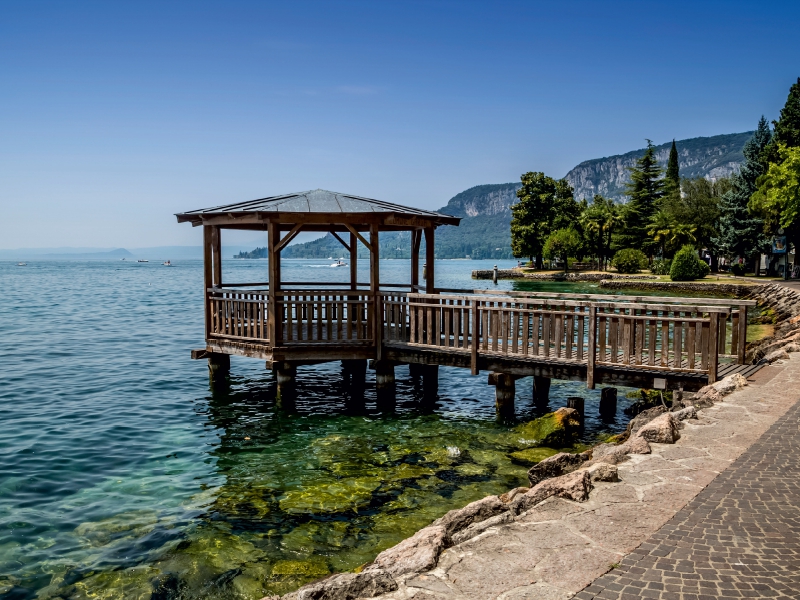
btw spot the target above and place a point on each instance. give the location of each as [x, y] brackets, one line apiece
[116, 115]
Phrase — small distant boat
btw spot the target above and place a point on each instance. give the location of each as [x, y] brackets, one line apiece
[142, 260]
[330, 258]
[339, 263]
[23, 264]
[167, 263]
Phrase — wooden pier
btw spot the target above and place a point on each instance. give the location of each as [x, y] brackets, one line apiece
[651, 342]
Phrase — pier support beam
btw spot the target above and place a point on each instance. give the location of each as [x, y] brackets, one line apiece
[384, 374]
[286, 378]
[219, 367]
[430, 381]
[541, 390]
[608, 403]
[504, 392]
[355, 372]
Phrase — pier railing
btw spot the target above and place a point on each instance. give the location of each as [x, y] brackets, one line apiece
[677, 337]
[655, 337]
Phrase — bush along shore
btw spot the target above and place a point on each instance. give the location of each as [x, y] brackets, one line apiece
[556, 276]
[570, 476]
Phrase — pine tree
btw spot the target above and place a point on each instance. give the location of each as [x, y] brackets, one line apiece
[672, 178]
[787, 128]
[645, 192]
[740, 231]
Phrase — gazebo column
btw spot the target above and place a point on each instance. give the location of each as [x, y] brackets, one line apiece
[216, 246]
[416, 238]
[353, 261]
[430, 279]
[374, 289]
[274, 318]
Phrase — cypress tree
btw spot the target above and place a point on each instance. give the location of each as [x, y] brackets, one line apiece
[645, 192]
[741, 233]
[672, 178]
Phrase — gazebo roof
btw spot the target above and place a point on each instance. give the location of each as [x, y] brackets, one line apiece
[316, 206]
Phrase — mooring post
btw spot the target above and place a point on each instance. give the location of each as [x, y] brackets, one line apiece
[504, 392]
[494, 275]
[541, 390]
[384, 374]
[608, 402]
[578, 404]
[286, 379]
[219, 367]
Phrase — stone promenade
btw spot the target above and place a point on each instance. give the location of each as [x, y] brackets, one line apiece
[715, 515]
[738, 538]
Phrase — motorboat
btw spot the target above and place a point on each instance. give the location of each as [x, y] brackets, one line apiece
[339, 263]
[142, 260]
[167, 263]
[22, 264]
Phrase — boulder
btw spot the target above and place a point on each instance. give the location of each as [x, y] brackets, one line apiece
[661, 430]
[477, 528]
[690, 412]
[572, 486]
[614, 454]
[480, 510]
[347, 586]
[707, 396]
[644, 417]
[793, 347]
[416, 554]
[556, 465]
[602, 472]
[509, 496]
[779, 354]
[730, 384]
[636, 445]
[556, 429]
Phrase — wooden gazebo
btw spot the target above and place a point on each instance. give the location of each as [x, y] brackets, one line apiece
[316, 322]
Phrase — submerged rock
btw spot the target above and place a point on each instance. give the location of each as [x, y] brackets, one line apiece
[556, 465]
[531, 456]
[418, 553]
[335, 497]
[557, 429]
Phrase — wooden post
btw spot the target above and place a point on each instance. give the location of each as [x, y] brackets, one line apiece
[374, 288]
[591, 353]
[504, 393]
[578, 404]
[608, 403]
[416, 238]
[208, 276]
[430, 286]
[742, 334]
[274, 316]
[476, 329]
[353, 261]
[216, 244]
[541, 390]
[219, 366]
[713, 347]
[430, 381]
[285, 376]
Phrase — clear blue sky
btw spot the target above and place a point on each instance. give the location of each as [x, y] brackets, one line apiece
[115, 115]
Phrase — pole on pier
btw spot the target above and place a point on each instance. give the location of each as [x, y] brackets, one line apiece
[286, 379]
[504, 393]
[541, 390]
[219, 367]
[608, 403]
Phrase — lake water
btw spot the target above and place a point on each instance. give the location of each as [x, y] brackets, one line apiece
[123, 475]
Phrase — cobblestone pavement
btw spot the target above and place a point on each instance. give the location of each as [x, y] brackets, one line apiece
[738, 538]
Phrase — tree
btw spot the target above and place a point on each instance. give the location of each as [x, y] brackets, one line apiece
[672, 177]
[787, 127]
[545, 204]
[778, 195]
[741, 232]
[600, 221]
[670, 233]
[645, 191]
[562, 243]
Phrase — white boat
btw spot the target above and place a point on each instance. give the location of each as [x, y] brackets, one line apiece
[167, 263]
[22, 264]
[142, 260]
[339, 263]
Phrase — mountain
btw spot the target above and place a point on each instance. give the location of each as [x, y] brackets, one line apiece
[710, 157]
[486, 209]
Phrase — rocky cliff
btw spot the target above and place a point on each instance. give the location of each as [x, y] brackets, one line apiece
[716, 156]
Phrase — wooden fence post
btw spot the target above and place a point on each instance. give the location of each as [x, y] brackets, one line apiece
[591, 351]
[742, 334]
[713, 347]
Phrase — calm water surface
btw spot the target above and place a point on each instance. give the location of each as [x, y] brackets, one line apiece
[122, 475]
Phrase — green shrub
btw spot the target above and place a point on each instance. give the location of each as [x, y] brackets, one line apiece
[686, 266]
[660, 267]
[738, 269]
[629, 260]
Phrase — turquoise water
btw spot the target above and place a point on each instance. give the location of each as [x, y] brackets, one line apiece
[122, 475]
